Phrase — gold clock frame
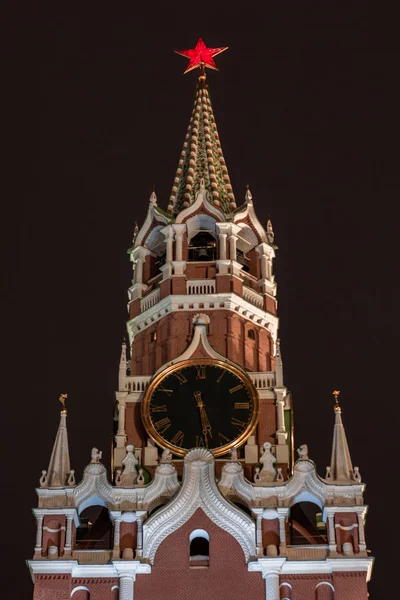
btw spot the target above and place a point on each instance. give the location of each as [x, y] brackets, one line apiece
[236, 370]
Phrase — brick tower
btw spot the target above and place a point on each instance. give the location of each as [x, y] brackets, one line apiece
[204, 498]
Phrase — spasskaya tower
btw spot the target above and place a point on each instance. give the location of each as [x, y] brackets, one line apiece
[205, 497]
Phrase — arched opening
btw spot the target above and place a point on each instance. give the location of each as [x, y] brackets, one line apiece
[199, 548]
[251, 334]
[202, 247]
[95, 529]
[324, 591]
[81, 592]
[304, 519]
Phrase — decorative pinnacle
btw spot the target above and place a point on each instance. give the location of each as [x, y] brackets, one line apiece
[62, 399]
[336, 394]
[201, 56]
[248, 196]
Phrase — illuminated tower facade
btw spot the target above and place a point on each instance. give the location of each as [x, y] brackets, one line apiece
[205, 498]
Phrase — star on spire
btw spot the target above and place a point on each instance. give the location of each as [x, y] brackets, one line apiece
[201, 56]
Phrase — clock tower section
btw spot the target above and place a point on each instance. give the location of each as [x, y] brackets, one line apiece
[203, 288]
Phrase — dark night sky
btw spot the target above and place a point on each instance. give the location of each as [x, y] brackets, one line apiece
[306, 103]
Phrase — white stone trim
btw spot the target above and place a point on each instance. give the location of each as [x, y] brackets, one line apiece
[199, 490]
[56, 512]
[214, 302]
[325, 583]
[201, 199]
[73, 568]
[323, 567]
[78, 589]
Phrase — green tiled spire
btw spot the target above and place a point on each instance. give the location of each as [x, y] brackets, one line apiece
[202, 158]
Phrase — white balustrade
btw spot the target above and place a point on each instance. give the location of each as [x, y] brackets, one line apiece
[263, 381]
[253, 297]
[200, 286]
[137, 384]
[150, 300]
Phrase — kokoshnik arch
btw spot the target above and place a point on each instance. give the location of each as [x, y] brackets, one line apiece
[205, 497]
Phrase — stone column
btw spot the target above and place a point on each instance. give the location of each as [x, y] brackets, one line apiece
[222, 246]
[272, 586]
[282, 533]
[126, 587]
[121, 418]
[332, 533]
[361, 534]
[68, 535]
[280, 414]
[140, 517]
[169, 234]
[232, 246]
[179, 230]
[39, 535]
[257, 513]
[139, 270]
[117, 530]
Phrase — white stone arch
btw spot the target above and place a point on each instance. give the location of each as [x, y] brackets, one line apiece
[287, 585]
[199, 533]
[91, 501]
[155, 241]
[80, 588]
[306, 496]
[198, 223]
[199, 490]
[247, 239]
[325, 583]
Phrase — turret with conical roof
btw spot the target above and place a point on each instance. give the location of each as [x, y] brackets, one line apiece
[341, 469]
[59, 465]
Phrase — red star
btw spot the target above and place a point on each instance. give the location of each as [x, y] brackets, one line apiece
[201, 55]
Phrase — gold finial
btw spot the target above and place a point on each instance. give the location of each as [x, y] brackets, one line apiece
[62, 399]
[336, 394]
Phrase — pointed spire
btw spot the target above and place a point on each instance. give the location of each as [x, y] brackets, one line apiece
[153, 197]
[278, 365]
[122, 368]
[248, 196]
[270, 232]
[59, 466]
[202, 158]
[341, 469]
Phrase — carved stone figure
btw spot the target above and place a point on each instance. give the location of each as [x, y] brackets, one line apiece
[140, 479]
[71, 478]
[166, 456]
[96, 455]
[234, 453]
[129, 473]
[303, 452]
[118, 477]
[268, 460]
[43, 481]
[279, 474]
[328, 474]
[357, 475]
[257, 475]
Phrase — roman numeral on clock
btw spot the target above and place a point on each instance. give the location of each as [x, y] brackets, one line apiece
[242, 405]
[223, 439]
[163, 389]
[160, 408]
[236, 388]
[180, 377]
[201, 371]
[163, 425]
[178, 438]
[237, 423]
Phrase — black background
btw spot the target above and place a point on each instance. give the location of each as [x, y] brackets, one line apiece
[306, 103]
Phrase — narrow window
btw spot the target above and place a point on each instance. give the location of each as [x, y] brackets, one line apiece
[153, 336]
[199, 548]
[251, 334]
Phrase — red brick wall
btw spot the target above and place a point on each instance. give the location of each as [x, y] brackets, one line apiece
[52, 587]
[226, 578]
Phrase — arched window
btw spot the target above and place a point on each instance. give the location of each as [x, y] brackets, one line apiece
[324, 591]
[251, 334]
[304, 524]
[95, 529]
[199, 548]
[285, 591]
[202, 247]
[80, 592]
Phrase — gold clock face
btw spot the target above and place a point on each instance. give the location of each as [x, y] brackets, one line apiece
[200, 403]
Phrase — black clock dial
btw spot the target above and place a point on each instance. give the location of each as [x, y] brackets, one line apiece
[200, 404]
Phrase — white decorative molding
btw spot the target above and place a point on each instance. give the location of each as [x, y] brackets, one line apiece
[71, 567]
[201, 200]
[327, 566]
[199, 490]
[192, 302]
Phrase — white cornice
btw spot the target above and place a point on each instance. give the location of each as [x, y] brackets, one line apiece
[304, 567]
[73, 568]
[43, 512]
[229, 301]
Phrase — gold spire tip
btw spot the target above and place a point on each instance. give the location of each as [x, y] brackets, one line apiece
[62, 399]
[336, 394]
